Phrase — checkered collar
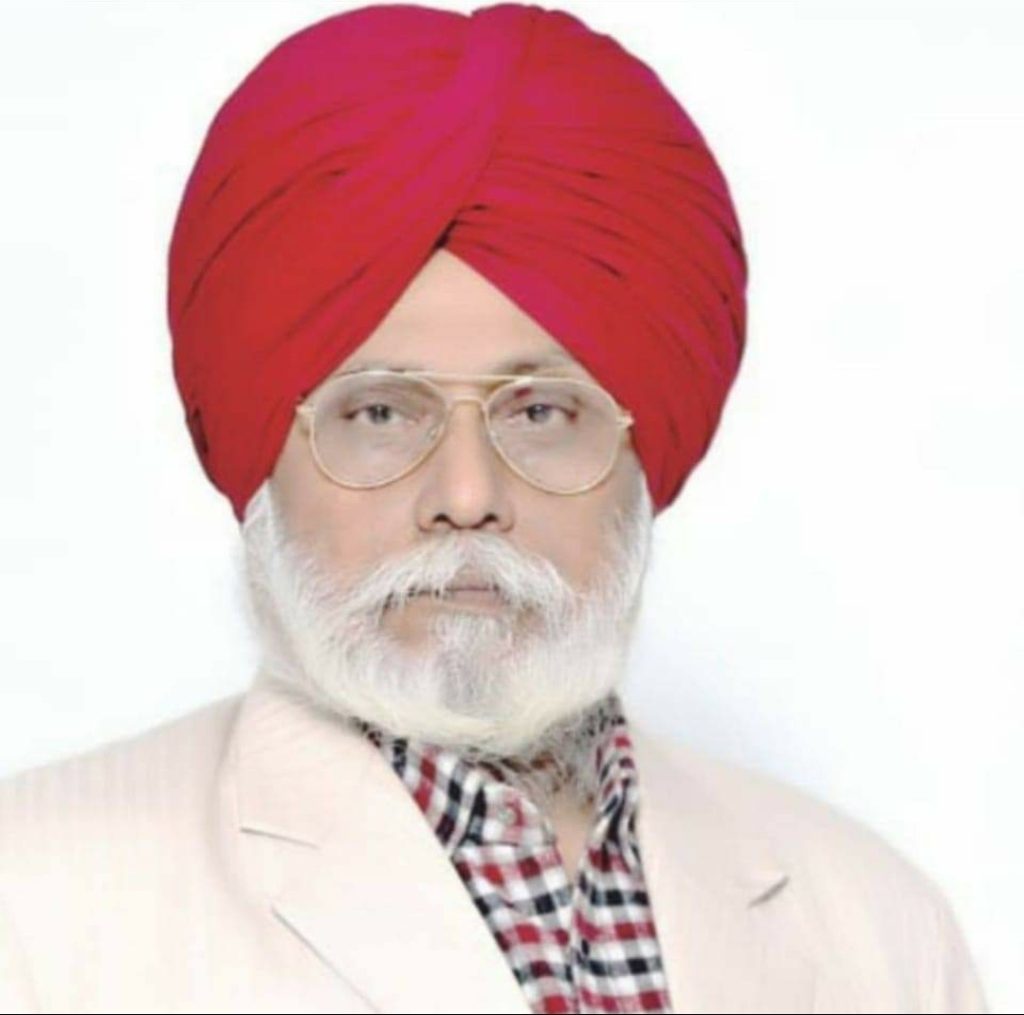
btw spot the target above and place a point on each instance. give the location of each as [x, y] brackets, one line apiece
[469, 802]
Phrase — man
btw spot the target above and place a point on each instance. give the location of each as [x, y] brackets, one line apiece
[447, 358]
[500, 673]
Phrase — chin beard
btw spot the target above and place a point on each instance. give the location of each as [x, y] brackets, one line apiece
[524, 689]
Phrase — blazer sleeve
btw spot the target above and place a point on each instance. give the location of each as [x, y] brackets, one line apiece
[955, 984]
[17, 995]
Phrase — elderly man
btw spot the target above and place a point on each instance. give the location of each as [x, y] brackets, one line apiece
[456, 303]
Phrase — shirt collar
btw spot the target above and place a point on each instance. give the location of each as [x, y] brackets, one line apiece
[469, 802]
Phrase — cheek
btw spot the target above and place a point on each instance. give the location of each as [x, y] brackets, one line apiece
[583, 538]
[312, 506]
[359, 529]
[569, 538]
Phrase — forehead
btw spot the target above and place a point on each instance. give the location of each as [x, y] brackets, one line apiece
[529, 358]
[549, 363]
[525, 362]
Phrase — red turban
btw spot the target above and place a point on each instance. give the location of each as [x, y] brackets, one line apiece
[538, 151]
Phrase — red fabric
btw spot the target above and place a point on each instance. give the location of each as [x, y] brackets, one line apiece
[540, 152]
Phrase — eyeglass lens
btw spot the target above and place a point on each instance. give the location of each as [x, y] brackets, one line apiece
[369, 429]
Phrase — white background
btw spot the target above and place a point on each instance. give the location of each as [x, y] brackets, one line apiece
[835, 599]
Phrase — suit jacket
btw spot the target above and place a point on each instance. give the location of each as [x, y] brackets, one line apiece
[255, 855]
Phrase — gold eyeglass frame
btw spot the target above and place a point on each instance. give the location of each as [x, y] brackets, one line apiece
[305, 408]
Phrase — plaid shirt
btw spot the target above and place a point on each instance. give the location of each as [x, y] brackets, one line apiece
[587, 948]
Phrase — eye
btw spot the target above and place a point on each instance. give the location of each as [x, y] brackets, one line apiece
[544, 405]
[387, 412]
[548, 410]
[384, 410]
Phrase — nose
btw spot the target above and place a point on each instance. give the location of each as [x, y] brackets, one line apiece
[466, 483]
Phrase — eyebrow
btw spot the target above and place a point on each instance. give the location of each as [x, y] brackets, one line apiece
[512, 365]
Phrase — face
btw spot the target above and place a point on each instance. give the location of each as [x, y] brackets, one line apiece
[495, 670]
[451, 319]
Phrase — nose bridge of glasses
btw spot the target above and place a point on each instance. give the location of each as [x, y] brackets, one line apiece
[454, 400]
[452, 403]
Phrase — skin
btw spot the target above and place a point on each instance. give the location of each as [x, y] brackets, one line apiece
[450, 318]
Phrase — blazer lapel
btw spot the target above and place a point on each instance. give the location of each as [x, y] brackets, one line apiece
[718, 893]
[345, 859]
[357, 872]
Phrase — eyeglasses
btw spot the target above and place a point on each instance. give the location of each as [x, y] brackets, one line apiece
[372, 427]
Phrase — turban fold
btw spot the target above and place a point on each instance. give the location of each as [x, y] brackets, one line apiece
[538, 151]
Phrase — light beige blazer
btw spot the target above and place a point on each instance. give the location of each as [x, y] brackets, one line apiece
[254, 856]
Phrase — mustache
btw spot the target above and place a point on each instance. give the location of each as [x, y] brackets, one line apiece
[520, 578]
[393, 600]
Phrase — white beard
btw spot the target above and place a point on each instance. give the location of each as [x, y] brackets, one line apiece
[517, 688]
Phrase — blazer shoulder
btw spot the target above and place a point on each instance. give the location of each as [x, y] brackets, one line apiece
[853, 891]
[817, 836]
[117, 784]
